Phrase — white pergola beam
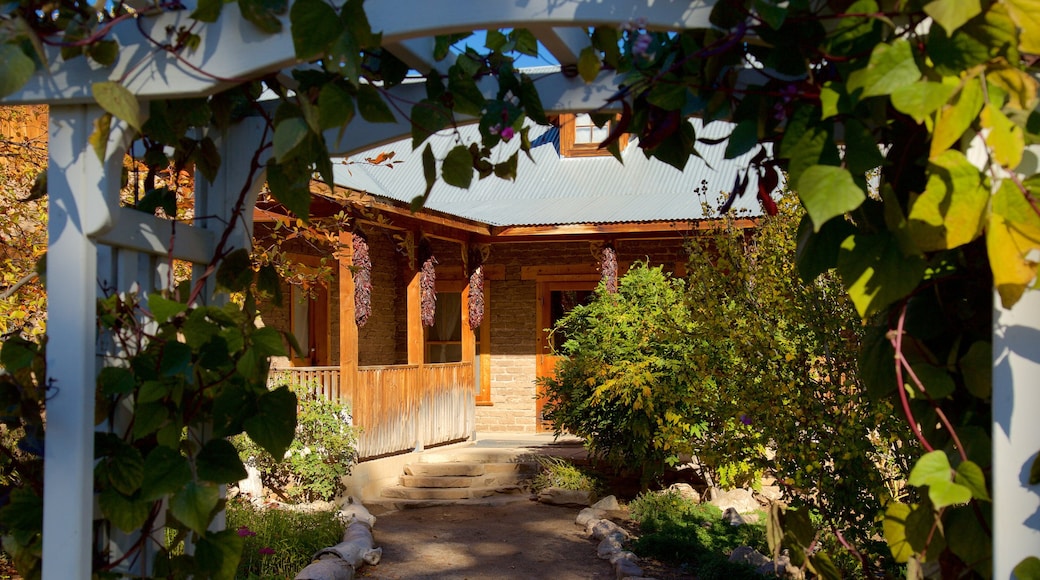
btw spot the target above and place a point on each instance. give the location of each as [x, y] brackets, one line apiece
[148, 234]
[232, 49]
[565, 44]
[417, 53]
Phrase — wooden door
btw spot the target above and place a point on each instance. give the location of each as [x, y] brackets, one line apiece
[555, 300]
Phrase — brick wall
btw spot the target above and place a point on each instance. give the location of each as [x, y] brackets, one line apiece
[379, 340]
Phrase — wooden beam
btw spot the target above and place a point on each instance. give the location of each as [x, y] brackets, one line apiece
[615, 229]
[469, 339]
[484, 395]
[348, 330]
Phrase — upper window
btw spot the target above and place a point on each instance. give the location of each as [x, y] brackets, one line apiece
[580, 137]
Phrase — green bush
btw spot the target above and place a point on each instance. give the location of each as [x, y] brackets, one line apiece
[560, 473]
[682, 532]
[321, 454]
[628, 384]
[280, 543]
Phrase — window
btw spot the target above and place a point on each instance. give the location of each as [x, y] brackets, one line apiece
[580, 137]
[444, 338]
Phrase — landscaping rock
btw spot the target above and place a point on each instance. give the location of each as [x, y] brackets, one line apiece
[741, 500]
[731, 517]
[750, 556]
[565, 497]
[601, 529]
[686, 491]
[587, 516]
[607, 504]
[771, 493]
[608, 547]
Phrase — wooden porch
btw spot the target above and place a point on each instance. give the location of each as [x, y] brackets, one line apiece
[399, 408]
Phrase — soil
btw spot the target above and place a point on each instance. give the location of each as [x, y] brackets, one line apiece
[516, 540]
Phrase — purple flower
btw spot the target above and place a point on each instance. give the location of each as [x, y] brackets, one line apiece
[745, 419]
[244, 531]
[266, 551]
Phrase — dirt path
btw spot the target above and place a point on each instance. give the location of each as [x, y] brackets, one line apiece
[517, 540]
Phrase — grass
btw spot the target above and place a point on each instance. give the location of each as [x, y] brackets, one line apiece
[280, 543]
[681, 532]
[560, 473]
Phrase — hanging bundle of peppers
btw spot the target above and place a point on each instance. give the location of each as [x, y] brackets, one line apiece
[362, 273]
[609, 267]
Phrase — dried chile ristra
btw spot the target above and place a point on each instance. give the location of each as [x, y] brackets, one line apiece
[428, 291]
[609, 268]
[362, 281]
[476, 297]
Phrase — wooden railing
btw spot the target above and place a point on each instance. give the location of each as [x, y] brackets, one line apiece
[400, 407]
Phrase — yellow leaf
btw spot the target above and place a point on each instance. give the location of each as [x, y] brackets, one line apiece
[951, 210]
[1020, 86]
[1004, 138]
[1013, 242]
[1026, 14]
[954, 119]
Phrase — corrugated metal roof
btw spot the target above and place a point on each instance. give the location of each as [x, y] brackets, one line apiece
[558, 191]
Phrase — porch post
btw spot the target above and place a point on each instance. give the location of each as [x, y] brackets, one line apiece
[84, 196]
[348, 330]
[416, 353]
[1016, 433]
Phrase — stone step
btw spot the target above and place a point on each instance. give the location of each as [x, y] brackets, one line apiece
[455, 469]
[491, 480]
[452, 493]
[477, 455]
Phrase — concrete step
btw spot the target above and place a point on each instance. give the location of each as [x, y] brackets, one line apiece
[477, 455]
[455, 469]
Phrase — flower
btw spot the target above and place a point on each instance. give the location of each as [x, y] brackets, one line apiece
[507, 133]
[244, 531]
[265, 551]
[745, 419]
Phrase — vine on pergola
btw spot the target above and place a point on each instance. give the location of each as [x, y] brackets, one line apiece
[935, 100]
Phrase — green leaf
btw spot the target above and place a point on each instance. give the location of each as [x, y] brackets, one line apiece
[289, 135]
[372, 107]
[891, 66]
[207, 160]
[99, 138]
[218, 462]
[429, 173]
[956, 118]
[165, 472]
[828, 192]
[1012, 234]
[1028, 569]
[219, 553]
[977, 369]
[163, 309]
[672, 97]
[125, 468]
[125, 513]
[104, 52]
[877, 363]
[268, 342]
[824, 567]
[148, 418]
[861, 148]
[15, 69]
[208, 10]
[235, 272]
[428, 117]
[920, 524]
[970, 475]
[1026, 14]
[970, 539]
[771, 13]
[336, 106]
[290, 185]
[1005, 139]
[936, 381]
[894, 528]
[743, 138]
[315, 25]
[457, 168]
[952, 14]
[588, 64]
[526, 42]
[17, 353]
[921, 99]
[176, 360]
[193, 505]
[274, 425]
[114, 380]
[119, 101]
[932, 467]
[531, 101]
[875, 271]
[264, 13]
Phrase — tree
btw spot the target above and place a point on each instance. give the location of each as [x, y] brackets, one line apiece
[940, 95]
[23, 224]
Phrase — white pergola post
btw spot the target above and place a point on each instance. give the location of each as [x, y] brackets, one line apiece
[83, 195]
[1016, 432]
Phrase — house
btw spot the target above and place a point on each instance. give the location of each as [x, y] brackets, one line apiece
[539, 241]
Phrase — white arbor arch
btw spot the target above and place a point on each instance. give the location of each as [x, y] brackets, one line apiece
[96, 244]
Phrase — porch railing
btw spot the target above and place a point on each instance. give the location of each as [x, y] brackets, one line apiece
[401, 407]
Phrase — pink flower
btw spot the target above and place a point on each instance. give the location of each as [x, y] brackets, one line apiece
[244, 531]
[266, 551]
[507, 133]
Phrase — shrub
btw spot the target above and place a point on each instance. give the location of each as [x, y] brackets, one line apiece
[680, 531]
[321, 454]
[280, 543]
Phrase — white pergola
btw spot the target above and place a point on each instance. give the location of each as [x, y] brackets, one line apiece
[95, 243]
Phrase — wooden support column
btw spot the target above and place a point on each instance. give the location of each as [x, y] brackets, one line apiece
[348, 330]
[469, 340]
[416, 350]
